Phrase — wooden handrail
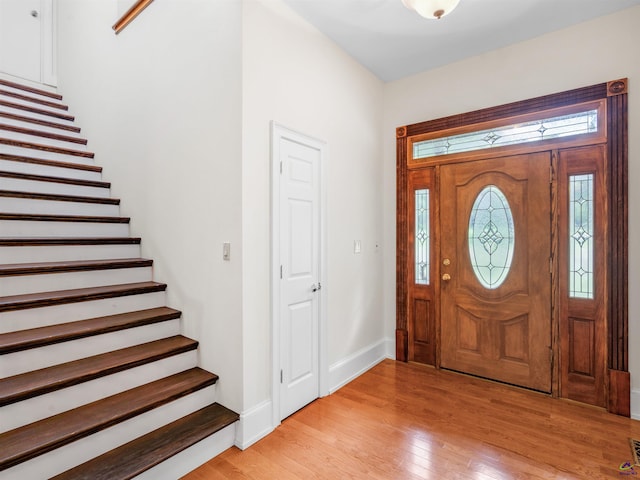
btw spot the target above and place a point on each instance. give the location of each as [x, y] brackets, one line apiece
[132, 13]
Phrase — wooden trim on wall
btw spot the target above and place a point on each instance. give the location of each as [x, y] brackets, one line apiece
[617, 145]
[579, 95]
[130, 14]
[619, 393]
[402, 346]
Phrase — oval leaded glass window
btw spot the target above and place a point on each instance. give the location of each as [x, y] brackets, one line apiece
[491, 237]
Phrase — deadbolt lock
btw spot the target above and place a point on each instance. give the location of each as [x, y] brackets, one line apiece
[446, 262]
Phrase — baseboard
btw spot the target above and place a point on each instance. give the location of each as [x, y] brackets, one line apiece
[390, 348]
[255, 423]
[635, 404]
[351, 367]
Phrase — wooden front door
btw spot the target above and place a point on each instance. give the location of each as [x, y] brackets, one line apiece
[495, 289]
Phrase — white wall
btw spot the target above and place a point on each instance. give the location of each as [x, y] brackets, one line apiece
[297, 77]
[178, 108]
[161, 106]
[593, 52]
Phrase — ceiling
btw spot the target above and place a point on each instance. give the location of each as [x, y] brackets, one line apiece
[394, 42]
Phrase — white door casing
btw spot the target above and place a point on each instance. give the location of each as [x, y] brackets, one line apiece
[298, 287]
[27, 40]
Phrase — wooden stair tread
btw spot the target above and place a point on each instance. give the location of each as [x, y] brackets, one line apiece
[40, 133]
[31, 440]
[46, 148]
[44, 241]
[47, 178]
[28, 98]
[141, 454]
[61, 297]
[38, 91]
[38, 382]
[51, 163]
[37, 121]
[38, 337]
[59, 198]
[71, 266]
[62, 218]
[39, 111]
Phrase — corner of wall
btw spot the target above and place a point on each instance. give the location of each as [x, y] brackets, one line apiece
[257, 421]
[351, 367]
[635, 404]
[255, 424]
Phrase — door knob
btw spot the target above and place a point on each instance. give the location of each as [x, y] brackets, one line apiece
[34, 13]
[446, 277]
[315, 288]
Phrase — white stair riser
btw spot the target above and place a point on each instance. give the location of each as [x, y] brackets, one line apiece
[38, 116]
[48, 170]
[20, 185]
[55, 207]
[61, 253]
[51, 142]
[32, 152]
[64, 458]
[24, 284]
[28, 83]
[28, 103]
[31, 229]
[44, 316]
[193, 457]
[36, 358]
[36, 408]
[36, 126]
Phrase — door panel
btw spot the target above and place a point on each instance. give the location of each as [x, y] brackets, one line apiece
[300, 257]
[421, 331]
[582, 256]
[20, 25]
[496, 317]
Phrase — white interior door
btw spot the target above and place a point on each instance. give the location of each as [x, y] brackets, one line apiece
[299, 283]
[27, 40]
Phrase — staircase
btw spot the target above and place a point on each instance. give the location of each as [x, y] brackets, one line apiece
[96, 381]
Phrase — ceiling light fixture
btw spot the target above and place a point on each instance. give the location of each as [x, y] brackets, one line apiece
[431, 8]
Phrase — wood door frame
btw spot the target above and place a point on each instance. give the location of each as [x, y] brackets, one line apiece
[278, 132]
[613, 94]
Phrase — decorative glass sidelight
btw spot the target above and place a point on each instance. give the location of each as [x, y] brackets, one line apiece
[422, 236]
[491, 237]
[581, 230]
[545, 129]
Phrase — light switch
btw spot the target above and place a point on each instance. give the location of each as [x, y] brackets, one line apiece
[226, 251]
[357, 246]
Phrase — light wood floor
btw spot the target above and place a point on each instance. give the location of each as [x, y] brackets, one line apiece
[405, 421]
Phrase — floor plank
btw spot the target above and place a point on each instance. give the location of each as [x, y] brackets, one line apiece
[407, 421]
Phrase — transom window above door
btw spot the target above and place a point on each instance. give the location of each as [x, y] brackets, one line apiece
[584, 121]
